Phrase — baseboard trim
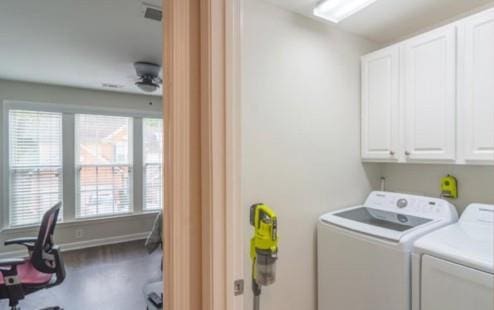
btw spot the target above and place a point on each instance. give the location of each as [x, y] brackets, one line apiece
[79, 245]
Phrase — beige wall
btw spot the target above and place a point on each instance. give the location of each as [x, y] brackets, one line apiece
[301, 140]
[112, 230]
[475, 183]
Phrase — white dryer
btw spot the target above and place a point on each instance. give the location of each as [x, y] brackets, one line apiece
[364, 252]
[453, 268]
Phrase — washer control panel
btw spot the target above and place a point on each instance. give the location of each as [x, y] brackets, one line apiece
[402, 203]
[428, 207]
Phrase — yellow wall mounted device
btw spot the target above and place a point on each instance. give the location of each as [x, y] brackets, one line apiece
[449, 187]
[263, 248]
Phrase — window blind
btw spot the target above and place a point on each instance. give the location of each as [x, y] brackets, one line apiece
[104, 165]
[35, 164]
[153, 157]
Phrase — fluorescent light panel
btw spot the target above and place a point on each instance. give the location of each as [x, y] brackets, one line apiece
[337, 10]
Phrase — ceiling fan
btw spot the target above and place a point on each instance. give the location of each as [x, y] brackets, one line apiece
[148, 76]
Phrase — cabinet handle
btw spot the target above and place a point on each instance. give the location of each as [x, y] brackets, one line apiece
[407, 153]
[392, 153]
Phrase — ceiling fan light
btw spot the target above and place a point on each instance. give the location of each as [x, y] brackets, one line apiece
[147, 87]
[148, 76]
[337, 10]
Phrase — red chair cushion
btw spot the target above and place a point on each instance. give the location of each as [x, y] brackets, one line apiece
[29, 275]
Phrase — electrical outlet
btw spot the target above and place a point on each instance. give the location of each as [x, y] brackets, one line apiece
[79, 233]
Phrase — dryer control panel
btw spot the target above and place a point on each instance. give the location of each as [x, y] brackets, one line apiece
[428, 207]
[480, 213]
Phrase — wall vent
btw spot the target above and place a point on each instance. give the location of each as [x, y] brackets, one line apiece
[152, 12]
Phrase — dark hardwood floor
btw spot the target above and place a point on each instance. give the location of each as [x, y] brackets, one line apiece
[102, 278]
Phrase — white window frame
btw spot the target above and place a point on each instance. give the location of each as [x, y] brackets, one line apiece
[144, 165]
[69, 163]
[144, 189]
[78, 168]
[7, 220]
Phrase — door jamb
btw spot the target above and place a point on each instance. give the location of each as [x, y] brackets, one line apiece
[203, 234]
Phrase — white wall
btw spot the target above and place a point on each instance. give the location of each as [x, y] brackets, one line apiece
[94, 230]
[301, 141]
[475, 183]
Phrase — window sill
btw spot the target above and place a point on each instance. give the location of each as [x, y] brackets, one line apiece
[81, 221]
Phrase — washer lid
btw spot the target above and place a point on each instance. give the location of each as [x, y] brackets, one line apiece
[376, 222]
[397, 217]
[383, 219]
[470, 242]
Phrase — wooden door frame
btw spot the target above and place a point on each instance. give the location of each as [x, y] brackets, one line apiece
[203, 235]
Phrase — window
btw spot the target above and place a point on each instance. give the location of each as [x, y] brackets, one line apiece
[152, 158]
[103, 145]
[99, 149]
[35, 164]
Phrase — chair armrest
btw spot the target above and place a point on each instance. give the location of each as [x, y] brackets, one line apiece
[9, 262]
[27, 242]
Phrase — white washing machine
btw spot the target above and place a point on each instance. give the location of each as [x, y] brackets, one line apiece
[364, 252]
[453, 268]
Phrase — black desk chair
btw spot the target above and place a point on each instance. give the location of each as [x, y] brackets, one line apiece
[44, 268]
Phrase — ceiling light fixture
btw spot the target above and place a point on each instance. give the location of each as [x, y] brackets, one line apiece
[337, 10]
[148, 76]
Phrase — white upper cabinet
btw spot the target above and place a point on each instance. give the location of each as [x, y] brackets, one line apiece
[476, 72]
[430, 96]
[380, 105]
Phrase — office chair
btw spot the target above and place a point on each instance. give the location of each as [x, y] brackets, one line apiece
[43, 268]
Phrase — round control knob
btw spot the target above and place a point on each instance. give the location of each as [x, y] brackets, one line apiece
[402, 203]
[402, 218]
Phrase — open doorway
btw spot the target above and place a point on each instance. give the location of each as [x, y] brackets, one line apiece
[81, 123]
[203, 220]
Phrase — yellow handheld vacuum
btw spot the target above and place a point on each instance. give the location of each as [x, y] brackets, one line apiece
[263, 248]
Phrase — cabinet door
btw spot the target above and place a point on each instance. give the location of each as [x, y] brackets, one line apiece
[430, 96]
[477, 86]
[380, 103]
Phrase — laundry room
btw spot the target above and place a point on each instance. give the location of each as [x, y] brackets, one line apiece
[337, 102]
[247, 154]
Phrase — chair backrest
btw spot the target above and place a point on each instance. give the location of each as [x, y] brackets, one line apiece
[42, 257]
